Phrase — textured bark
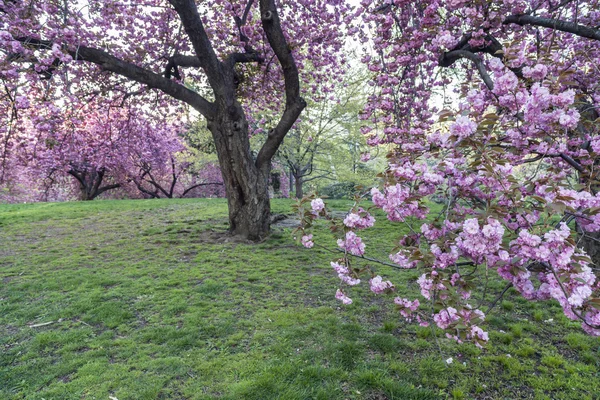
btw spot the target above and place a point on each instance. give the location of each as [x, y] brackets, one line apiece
[299, 190]
[246, 184]
[556, 24]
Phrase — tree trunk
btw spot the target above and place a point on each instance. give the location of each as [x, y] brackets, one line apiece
[299, 191]
[84, 194]
[245, 184]
[89, 180]
[590, 243]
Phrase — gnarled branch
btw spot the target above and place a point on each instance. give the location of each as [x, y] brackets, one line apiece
[111, 63]
[456, 54]
[213, 68]
[557, 24]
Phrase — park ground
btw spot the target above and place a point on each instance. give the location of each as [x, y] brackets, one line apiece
[149, 299]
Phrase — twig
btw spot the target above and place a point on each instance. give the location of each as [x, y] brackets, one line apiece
[363, 257]
[491, 307]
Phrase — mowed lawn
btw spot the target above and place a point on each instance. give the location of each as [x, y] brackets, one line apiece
[148, 299]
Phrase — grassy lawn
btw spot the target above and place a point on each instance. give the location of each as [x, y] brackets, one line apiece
[148, 300]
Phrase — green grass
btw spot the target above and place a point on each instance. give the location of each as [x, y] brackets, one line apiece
[149, 300]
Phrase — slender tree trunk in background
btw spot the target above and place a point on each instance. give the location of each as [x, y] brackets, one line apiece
[299, 191]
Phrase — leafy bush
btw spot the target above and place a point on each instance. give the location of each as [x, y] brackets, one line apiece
[340, 190]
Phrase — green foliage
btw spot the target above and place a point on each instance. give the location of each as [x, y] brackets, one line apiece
[341, 190]
[149, 299]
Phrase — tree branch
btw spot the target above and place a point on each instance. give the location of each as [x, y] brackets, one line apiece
[240, 22]
[186, 191]
[564, 26]
[188, 13]
[131, 71]
[493, 304]
[492, 47]
[572, 162]
[235, 58]
[294, 104]
[449, 58]
[107, 187]
[97, 177]
[179, 60]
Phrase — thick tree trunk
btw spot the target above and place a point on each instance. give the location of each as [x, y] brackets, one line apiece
[299, 190]
[246, 185]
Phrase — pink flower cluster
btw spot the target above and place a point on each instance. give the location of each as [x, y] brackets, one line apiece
[361, 220]
[352, 244]
[476, 243]
[342, 297]
[344, 274]
[379, 286]
[463, 127]
[407, 309]
[317, 205]
[307, 241]
[446, 317]
[393, 202]
[402, 259]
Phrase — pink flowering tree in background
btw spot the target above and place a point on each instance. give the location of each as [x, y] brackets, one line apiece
[493, 108]
[228, 60]
[160, 165]
[87, 144]
[101, 148]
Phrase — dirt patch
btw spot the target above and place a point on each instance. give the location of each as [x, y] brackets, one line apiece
[219, 237]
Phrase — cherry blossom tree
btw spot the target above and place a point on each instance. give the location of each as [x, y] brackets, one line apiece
[101, 147]
[172, 176]
[493, 107]
[228, 60]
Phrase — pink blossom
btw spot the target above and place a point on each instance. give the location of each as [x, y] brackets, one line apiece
[401, 258]
[354, 220]
[538, 72]
[407, 308]
[307, 241]
[463, 127]
[353, 244]
[446, 317]
[378, 286]
[342, 297]
[317, 205]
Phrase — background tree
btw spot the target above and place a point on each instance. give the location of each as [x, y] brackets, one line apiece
[326, 145]
[246, 53]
